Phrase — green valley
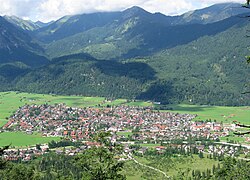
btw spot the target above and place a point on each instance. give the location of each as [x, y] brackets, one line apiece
[123, 90]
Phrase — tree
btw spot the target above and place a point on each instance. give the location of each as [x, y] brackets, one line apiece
[2, 162]
[100, 162]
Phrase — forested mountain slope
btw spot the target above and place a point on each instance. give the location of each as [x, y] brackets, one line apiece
[211, 14]
[16, 45]
[135, 36]
[211, 70]
[132, 54]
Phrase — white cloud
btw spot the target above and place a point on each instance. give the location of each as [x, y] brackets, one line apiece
[47, 10]
[167, 6]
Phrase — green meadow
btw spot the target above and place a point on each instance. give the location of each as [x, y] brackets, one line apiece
[171, 166]
[219, 113]
[21, 139]
[126, 134]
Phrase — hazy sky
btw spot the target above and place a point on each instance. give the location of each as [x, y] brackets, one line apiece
[47, 10]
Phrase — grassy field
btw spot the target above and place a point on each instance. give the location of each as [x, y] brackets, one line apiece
[171, 166]
[2, 122]
[150, 145]
[189, 163]
[232, 137]
[134, 171]
[23, 140]
[218, 113]
[126, 134]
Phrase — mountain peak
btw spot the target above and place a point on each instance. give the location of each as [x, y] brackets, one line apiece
[134, 11]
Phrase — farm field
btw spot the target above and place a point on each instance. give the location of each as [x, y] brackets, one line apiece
[219, 113]
[21, 139]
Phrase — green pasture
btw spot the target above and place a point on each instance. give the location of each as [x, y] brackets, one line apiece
[219, 113]
[127, 103]
[150, 145]
[11, 101]
[232, 137]
[2, 122]
[126, 134]
[139, 103]
[21, 139]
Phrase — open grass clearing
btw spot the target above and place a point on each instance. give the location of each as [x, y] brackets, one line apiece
[149, 145]
[219, 113]
[20, 139]
[126, 134]
[180, 163]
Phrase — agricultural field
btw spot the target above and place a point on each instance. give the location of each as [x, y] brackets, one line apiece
[20, 139]
[219, 113]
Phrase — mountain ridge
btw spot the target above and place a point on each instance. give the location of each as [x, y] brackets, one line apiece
[131, 54]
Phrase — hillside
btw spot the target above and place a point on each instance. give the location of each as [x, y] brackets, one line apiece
[211, 70]
[132, 54]
[211, 14]
[207, 71]
[134, 32]
[16, 45]
[82, 75]
[22, 24]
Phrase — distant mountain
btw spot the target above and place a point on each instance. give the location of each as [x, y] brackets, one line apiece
[23, 24]
[211, 14]
[194, 58]
[26, 25]
[70, 25]
[42, 24]
[16, 45]
[133, 32]
[210, 70]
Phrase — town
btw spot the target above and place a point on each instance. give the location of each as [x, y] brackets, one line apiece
[129, 126]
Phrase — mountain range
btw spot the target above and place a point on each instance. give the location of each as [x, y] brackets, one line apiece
[197, 57]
